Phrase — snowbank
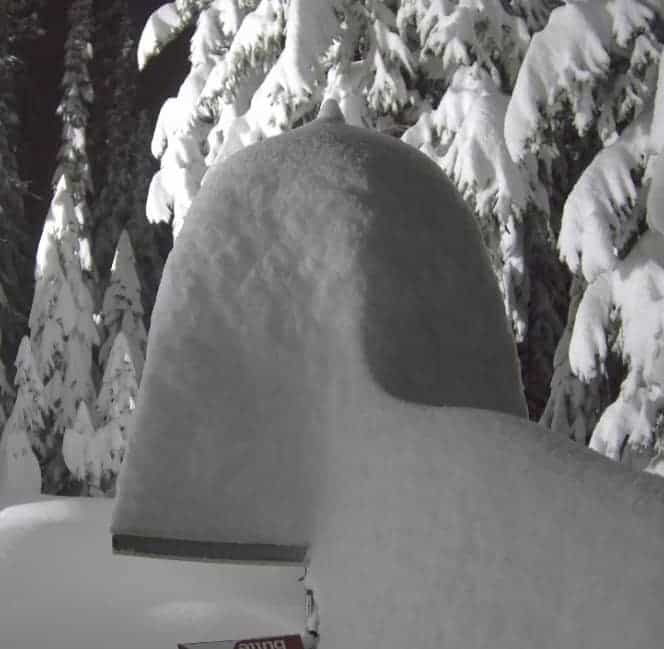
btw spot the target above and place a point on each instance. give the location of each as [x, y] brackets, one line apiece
[62, 588]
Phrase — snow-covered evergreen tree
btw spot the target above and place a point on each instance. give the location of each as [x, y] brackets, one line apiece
[23, 432]
[122, 308]
[78, 449]
[594, 68]
[115, 407]
[61, 324]
[62, 328]
[94, 457]
[76, 99]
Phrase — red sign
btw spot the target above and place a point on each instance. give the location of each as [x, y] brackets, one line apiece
[276, 642]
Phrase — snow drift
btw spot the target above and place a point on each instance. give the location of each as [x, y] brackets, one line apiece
[62, 588]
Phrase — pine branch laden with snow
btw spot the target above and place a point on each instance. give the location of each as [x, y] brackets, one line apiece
[165, 25]
[259, 70]
[570, 62]
[464, 136]
[122, 309]
[632, 294]
[600, 217]
[454, 34]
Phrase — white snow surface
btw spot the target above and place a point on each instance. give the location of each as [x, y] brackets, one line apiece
[61, 587]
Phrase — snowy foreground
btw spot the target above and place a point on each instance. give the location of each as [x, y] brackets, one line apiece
[62, 588]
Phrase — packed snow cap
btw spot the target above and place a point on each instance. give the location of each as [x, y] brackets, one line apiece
[321, 276]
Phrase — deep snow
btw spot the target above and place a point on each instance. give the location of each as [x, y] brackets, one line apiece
[62, 588]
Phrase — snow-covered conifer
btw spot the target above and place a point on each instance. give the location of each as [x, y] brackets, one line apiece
[61, 327]
[460, 34]
[66, 238]
[259, 68]
[24, 432]
[74, 108]
[20, 476]
[115, 407]
[568, 67]
[78, 444]
[94, 457]
[122, 309]
[604, 234]
[76, 99]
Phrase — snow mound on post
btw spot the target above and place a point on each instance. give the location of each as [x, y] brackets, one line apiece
[324, 269]
[327, 293]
